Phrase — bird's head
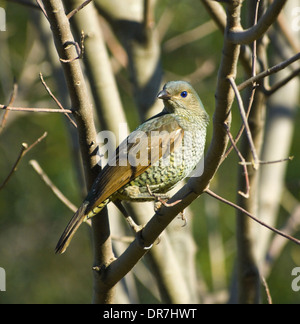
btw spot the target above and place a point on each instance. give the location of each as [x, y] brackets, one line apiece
[179, 95]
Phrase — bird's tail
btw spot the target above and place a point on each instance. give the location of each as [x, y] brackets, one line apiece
[71, 228]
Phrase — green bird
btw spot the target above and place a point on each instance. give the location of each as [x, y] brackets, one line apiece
[152, 159]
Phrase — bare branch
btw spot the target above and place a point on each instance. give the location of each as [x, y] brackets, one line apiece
[276, 68]
[246, 194]
[11, 101]
[270, 302]
[254, 33]
[290, 158]
[24, 150]
[43, 110]
[245, 121]
[24, 146]
[216, 12]
[75, 11]
[282, 83]
[291, 238]
[36, 142]
[39, 2]
[50, 184]
[82, 105]
[56, 100]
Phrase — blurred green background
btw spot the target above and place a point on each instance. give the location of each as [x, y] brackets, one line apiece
[32, 218]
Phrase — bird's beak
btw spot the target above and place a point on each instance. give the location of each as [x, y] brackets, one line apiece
[164, 95]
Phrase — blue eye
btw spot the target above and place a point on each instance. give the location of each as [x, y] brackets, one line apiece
[184, 94]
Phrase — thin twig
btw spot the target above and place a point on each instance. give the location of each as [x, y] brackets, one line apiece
[24, 150]
[24, 146]
[282, 83]
[254, 50]
[243, 163]
[278, 243]
[254, 86]
[274, 69]
[275, 230]
[43, 110]
[270, 302]
[56, 100]
[36, 142]
[39, 2]
[50, 184]
[290, 158]
[245, 121]
[239, 134]
[76, 10]
[11, 101]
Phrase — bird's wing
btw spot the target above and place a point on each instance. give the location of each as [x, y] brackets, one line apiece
[154, 139]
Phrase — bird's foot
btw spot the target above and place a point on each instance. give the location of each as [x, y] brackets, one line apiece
[161, 199]
[135, 227]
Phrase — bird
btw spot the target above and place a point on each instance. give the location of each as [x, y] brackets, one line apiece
[161, 152]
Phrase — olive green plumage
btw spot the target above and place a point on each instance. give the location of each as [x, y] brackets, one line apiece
[157, 155]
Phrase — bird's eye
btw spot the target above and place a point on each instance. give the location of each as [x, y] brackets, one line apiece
[184, 94]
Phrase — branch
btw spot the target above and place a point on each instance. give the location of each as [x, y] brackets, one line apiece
[24, 146]
[24, 150]
[75, 11]
[243, 162]
[264, 282]
[81, 104]
[291, 238]
[276, 68]
[50, 184]
[43, 110]
[245, 122]
[217, 13]
[56, 100]
[254, 33]
[278, 243]
[11, 101]
[282, 83]
[83, 112]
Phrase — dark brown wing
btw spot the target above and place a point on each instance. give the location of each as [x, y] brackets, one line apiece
[155, 138]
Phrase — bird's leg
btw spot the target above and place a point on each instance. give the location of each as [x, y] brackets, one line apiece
[162, 199]
[136, 228]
